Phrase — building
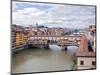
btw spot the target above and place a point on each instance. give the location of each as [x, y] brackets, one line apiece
[45, 31]
[86, 57]
[19, 37]
[13, 37]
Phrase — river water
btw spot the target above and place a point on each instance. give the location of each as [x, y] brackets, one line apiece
[41, 60]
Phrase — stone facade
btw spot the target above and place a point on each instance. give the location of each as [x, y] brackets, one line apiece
[86, 63]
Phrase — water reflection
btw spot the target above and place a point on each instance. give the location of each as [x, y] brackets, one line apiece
[40, 60]
[54, 47]
[72, 49]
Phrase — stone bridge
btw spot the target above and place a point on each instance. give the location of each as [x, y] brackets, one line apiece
[63, 41]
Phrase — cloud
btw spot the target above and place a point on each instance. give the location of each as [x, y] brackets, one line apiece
[53, 15]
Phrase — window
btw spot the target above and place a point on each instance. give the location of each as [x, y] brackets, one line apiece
[90, 47]
[81, 62]
[93, 63]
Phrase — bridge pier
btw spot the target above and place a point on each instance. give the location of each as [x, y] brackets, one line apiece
[30, 46]
[64, 48]
[41, 46]
[46, 46]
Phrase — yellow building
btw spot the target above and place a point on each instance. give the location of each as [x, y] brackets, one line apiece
[20, 37]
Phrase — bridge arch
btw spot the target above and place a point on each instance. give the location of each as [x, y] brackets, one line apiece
[62, 41]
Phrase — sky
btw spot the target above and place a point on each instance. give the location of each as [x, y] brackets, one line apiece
[52, 15]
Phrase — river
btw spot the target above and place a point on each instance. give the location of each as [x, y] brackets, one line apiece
[41, 60]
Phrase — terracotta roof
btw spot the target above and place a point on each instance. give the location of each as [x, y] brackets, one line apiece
[86, 54]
